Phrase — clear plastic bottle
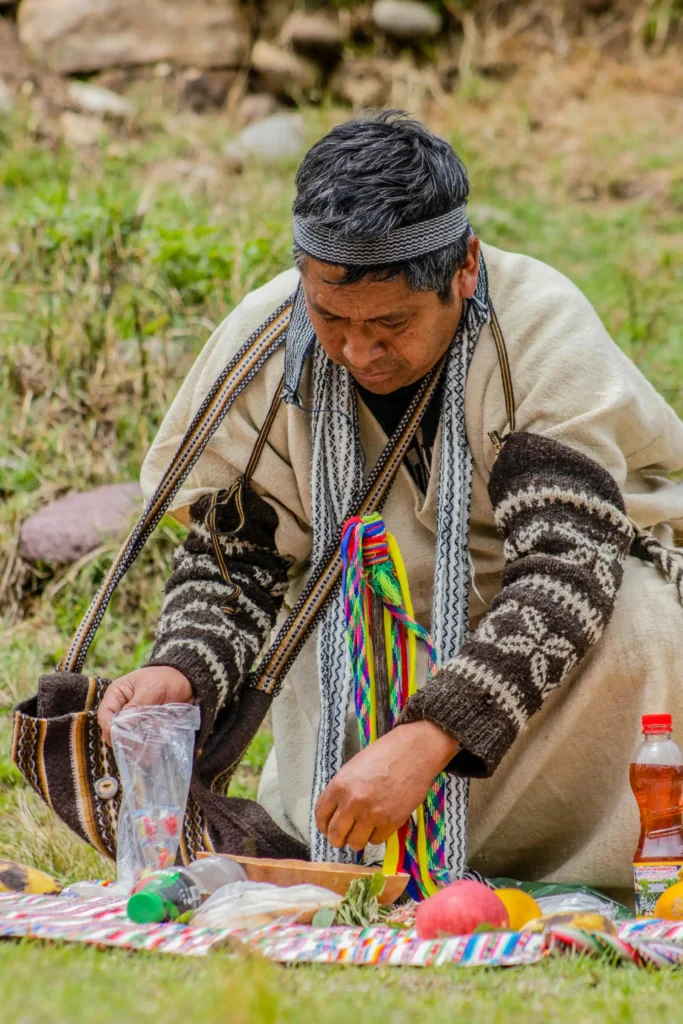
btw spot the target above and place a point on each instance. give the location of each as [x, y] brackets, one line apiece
[657, 782]
[173, 894]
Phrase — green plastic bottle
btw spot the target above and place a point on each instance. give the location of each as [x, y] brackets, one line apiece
[173, 894]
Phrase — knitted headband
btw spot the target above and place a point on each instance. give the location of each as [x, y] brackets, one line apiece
[393, 247]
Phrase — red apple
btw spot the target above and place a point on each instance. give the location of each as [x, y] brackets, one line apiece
[459, 909]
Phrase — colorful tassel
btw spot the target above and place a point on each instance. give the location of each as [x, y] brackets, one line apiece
[372, 561]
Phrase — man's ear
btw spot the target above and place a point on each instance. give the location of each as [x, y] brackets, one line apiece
[465, 280]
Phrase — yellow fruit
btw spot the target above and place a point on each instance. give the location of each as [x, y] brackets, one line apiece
[670, 904]
[19, 878]
[521, 907]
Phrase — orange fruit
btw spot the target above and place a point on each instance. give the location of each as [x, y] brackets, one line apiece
[521, 907]
[670, 904]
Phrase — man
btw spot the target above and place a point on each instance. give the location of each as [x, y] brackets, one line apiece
[570, 637]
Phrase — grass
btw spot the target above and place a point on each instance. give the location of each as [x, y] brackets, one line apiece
[115, 264]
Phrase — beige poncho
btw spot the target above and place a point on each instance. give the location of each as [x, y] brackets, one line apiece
[572, 384]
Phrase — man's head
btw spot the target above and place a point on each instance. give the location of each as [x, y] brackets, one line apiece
[389, 323]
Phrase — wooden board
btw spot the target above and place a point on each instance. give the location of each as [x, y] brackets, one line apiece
[337, 877]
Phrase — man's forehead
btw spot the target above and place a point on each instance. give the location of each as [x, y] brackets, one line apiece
[368, 298]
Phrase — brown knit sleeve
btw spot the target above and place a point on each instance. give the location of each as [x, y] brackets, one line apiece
[566, 535]
[216, 618]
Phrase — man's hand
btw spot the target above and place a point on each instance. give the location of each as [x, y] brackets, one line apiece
[158, 684]
[378, 789]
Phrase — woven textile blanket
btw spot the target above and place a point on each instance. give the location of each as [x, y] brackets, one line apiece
[102, 921]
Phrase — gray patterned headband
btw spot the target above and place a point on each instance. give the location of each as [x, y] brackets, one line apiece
[394, 247]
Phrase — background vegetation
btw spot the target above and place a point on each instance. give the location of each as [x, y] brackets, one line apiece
[116, 262]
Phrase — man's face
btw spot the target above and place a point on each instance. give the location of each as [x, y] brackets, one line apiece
[384, 333]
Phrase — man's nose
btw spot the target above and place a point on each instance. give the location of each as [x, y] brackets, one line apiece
[360, 348]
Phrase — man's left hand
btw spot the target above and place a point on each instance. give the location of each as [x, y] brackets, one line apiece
[378, 789]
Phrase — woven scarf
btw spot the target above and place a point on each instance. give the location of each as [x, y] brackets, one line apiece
[337, 478]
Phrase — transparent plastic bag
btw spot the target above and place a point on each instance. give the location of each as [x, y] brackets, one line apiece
[556, 898]
[255, 904]
[153, 747]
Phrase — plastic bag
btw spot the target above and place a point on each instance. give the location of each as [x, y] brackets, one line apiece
[153, 747]
[255, 904]
[556, 898]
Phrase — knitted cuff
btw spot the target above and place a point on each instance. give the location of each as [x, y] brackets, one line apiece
[468, 714]
[200, 678]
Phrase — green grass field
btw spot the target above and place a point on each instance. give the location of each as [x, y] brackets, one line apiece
[115, 264]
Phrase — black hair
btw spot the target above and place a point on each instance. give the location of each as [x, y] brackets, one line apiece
[380, 172]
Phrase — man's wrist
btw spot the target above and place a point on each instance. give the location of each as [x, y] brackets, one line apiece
[433, 743]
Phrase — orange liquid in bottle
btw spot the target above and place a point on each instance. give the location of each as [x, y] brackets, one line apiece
[659, 792]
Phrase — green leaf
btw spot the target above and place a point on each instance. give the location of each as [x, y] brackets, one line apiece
[324, 918]
[377, 884]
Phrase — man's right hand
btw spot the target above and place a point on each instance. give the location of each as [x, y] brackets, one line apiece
[157, 684]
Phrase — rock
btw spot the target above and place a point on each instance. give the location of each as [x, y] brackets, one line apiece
[272, 140]
[256, 107]
[406, 19]
[320, 31]
[81, 129]
[205, 90]
[283, 72]
[93, 99]
[362, 82]
[6, 101]
[89, 35]
[69, 528]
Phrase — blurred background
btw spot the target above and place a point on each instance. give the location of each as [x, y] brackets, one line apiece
[147, 155]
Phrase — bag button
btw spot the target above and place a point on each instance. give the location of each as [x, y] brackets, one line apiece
[107, 787]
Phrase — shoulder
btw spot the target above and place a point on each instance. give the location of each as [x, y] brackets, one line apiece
[253, 310]
[527, 292]
[233, 332]
[225, 342]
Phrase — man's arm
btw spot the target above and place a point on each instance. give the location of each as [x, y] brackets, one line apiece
[566, 535]
[215, 618]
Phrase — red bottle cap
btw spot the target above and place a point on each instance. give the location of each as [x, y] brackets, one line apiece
[656, 723]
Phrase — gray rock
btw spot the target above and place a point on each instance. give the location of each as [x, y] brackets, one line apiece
[272, 140]
[89, 35]
[69, 528]
[283, 72]
[317, 31]
[6, 101]
[255, 107]
[406, 19]
[93, 99]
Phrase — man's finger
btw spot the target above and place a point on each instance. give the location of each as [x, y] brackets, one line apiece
[115, 698]
[381, 833]
[324, 809]
[339, 828]
[359, 836]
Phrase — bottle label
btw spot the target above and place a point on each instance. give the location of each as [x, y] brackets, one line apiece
[651, 880]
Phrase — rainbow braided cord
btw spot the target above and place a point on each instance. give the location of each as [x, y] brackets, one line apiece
[372, 561]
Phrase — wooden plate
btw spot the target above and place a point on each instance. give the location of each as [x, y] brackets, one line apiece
[337, 877]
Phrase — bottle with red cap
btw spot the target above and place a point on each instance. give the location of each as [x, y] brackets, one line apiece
[657, 782]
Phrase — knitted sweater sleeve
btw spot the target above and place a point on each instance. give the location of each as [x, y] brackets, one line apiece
[566, 535]
[221, 599]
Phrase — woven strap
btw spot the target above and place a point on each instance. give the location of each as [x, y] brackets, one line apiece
[298, 626]
[231, 382]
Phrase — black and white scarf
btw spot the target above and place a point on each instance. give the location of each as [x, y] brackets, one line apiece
[337, 477]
